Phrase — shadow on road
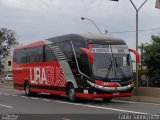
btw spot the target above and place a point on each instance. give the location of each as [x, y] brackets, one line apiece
[83, 101]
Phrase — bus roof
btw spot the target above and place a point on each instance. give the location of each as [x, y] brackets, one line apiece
[89, 36]
[33, 44]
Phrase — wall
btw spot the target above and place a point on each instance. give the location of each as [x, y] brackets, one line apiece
[8, 63]
[148, 91]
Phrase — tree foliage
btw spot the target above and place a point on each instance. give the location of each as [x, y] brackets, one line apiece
[7, 41]
[152, 58]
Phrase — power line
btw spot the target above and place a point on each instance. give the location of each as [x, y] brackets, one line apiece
[143, 30]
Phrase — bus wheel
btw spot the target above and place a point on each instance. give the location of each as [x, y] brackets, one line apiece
[54, 96]
[71, 93]
[27, 89]
[107, 99]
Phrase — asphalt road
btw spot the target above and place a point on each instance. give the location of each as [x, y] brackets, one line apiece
[13, 102]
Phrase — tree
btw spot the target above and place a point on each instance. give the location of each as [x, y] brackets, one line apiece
[7, 42]
[152, 59]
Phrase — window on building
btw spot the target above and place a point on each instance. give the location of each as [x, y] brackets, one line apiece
[9, 63]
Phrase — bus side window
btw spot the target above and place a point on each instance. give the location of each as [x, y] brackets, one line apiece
[49, 55]
[66, 48]
[81, 57]
[77, 45]
[18, 56]
[39, 51]
[36, 54]
[15, 56]
[24, 56]
[21, 56]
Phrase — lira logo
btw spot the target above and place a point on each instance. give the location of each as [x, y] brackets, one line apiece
[47, 76]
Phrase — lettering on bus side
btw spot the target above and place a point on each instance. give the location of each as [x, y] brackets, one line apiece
[47, 76]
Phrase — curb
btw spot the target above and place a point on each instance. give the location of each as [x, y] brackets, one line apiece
[8, 85]
[148, 99]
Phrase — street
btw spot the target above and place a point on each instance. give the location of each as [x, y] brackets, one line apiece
[13, 101]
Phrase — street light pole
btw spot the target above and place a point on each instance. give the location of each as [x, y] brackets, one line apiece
[137, 11]
[83, 18]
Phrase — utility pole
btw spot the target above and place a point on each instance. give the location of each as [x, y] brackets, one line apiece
[0, 60]
[137, 11]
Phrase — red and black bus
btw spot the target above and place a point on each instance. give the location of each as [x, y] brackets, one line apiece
[75, 65]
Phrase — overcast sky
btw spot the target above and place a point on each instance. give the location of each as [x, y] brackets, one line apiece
[34, 20]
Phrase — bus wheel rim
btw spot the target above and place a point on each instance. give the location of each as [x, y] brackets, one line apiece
[27, 89]
[71, 94]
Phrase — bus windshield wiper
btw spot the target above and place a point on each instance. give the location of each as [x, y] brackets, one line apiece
[109, 69]
[119, 68]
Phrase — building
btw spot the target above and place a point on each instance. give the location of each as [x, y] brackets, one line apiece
[8, 63]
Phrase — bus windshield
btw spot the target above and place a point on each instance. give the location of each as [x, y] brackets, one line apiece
[111, 61]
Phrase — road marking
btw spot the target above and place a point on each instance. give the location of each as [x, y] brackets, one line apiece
[46, 100]
[10, 89]
[34, 98]
[24, 97]
[65, 119]
[7, 94]
[113, 109]
[6, 106]
[14, 95]
[125, 101]
[138, 102]
[149, 103]
[133, 102]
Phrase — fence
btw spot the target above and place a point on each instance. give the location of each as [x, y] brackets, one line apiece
[145, 81]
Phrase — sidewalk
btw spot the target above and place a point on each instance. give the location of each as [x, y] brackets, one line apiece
[148, 99]
[8, 84]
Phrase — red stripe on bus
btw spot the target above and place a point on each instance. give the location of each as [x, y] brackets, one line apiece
[19, 88]
[49, 91]
[108, 95]
[42, 90]
[107, 84]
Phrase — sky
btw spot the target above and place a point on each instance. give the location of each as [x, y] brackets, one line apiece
[34, 20]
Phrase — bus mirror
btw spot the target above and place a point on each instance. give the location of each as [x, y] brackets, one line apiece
[88, 54]
[136, 54]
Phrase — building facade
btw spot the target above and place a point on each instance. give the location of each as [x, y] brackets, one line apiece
[8, 63]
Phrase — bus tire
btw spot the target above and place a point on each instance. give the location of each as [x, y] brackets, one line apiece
[107, 99]
[54, 95]
[71, 93]
[27, 90]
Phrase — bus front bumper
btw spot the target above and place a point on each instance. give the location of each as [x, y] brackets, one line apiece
[107, 95]
[111, 92]
[112, 89]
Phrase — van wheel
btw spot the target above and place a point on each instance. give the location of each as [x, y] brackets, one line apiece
[71, 93]
[107, 99]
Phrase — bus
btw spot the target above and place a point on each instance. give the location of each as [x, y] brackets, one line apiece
[75, 65]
